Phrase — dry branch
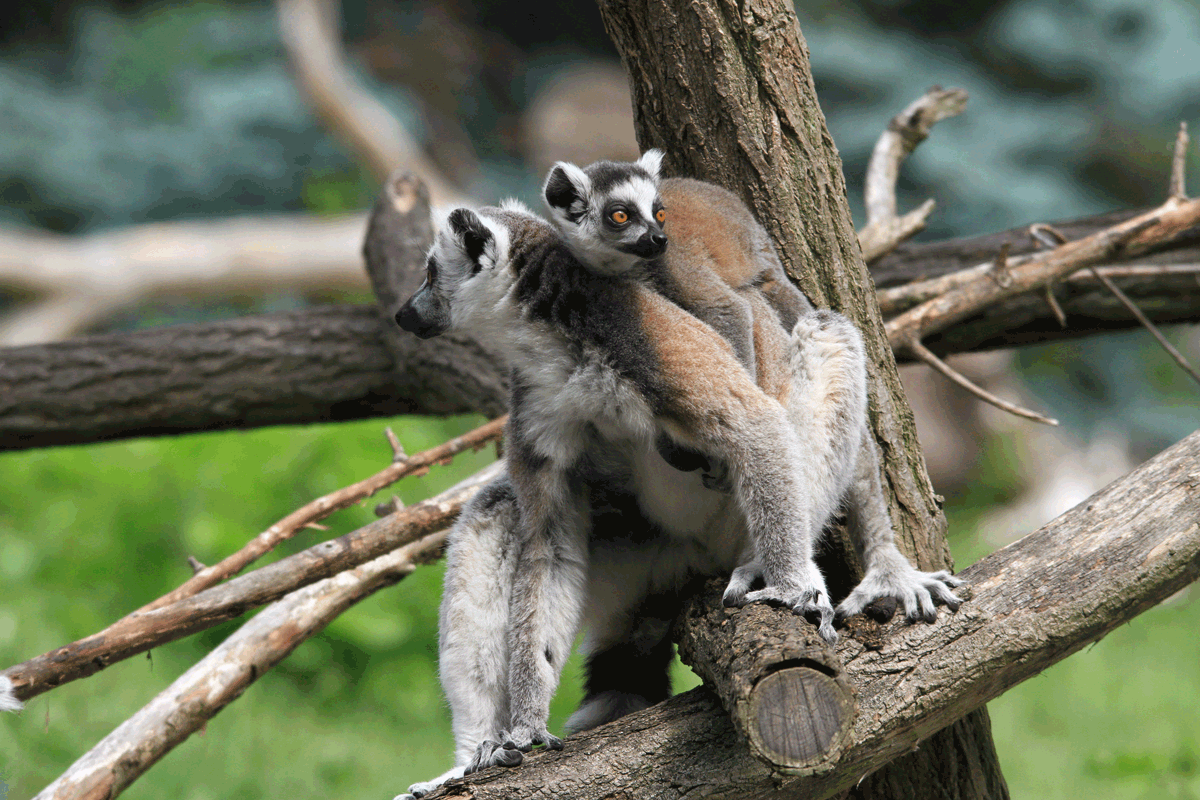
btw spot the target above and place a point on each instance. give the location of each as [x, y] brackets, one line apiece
[314, 48]
[142, 631]
[961, 295]
[884, 229]
[322, 507]
[221, 676]
[1033, 603]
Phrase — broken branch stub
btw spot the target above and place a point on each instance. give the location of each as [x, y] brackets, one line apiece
[780, 682]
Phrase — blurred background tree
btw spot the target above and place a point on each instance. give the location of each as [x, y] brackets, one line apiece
[126, 113]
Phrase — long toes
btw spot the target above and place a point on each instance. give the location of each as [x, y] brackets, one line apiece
[944, 596]
[553, 742]
[734, 596]
[920, 607]
[947, 578]
[508, 758]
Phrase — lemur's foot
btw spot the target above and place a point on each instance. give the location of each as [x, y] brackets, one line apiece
[425, 787]
[917, 591]
[524, 738]
[740, 582]
[491, 753]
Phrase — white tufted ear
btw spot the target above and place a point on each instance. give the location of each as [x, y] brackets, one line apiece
[567, 190]
[651, 161]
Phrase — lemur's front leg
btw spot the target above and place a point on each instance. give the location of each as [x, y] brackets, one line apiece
[547, 595]
[888, 572]
[828, 407]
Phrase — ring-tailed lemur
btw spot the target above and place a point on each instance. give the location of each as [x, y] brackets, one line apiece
[602, 367]
[618, 218]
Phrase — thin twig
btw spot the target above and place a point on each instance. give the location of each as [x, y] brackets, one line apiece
[1150, 326]
[195, 563]
[142, 631]
[922, 353]
[223, 675]
[322, 507]
[1178, 187]
[1052, 301]
[398, 453]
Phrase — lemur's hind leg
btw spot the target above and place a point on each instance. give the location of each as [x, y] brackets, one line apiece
[547, 597]
[888, 572]
[472, 631]
[826, 405]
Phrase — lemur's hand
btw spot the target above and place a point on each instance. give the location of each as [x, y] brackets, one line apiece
[917, 591]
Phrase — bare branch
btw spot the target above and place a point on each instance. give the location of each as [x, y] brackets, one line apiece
[1052, 301]
[314, 48]
[924, 355]
[969, 293]
[76, 282]
[142, 631]
[1150, 326]
[1178, 188]
[884, 230]
[322, 507]
[225, 673]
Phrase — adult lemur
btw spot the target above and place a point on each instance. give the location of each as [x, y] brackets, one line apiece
[600, 384]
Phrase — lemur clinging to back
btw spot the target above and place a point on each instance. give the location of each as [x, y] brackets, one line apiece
[719, 265]
[602, 368]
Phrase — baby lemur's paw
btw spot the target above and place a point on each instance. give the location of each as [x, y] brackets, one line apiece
[917, 591]
[491, 753]
[524, 738]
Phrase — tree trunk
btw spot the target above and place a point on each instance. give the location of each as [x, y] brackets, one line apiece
[726, 92]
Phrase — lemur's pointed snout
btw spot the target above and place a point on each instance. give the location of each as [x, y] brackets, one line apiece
[650, 244]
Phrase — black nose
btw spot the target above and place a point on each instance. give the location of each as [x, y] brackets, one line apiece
[659, 240]
[410, 320]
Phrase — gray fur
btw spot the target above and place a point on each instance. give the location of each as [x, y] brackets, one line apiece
[8, 697]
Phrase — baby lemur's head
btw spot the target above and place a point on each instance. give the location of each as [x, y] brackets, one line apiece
[610, 213]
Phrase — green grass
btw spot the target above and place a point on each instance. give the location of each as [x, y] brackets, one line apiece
[90, 533]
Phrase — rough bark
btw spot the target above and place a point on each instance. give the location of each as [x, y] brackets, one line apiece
[726, 91]
[1131, 545]
[318, 365]
[142, 631]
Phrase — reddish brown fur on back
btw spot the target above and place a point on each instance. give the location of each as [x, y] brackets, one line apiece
[707, 384]
[707, 224]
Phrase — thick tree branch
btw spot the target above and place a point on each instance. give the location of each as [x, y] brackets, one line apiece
[141, 631]
[1033, 603]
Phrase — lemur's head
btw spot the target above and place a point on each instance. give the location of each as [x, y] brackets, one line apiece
[466, 269]
[610, 213]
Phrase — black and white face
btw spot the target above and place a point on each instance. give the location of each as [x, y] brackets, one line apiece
[468, 252]
[610, 213]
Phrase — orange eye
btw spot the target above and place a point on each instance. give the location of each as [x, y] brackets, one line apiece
[619, 217]
[661, 215]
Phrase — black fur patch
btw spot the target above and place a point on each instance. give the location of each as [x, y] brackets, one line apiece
[597, 310]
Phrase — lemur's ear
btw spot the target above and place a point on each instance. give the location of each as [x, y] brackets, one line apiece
[566, 190]
[651, 161]
[470, 230]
